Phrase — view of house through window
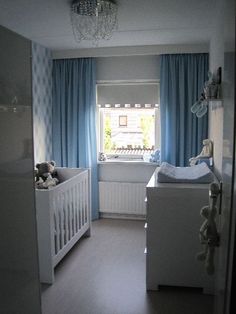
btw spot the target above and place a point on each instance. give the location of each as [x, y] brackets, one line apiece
[128, 131]
[129, 121]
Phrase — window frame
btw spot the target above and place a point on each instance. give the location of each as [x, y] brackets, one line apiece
[121, 118]
[100, 119]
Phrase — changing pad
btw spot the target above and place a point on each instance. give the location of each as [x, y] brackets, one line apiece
[196, 174]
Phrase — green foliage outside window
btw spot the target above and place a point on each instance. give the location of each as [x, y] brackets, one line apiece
[147, 125]
[107, 130]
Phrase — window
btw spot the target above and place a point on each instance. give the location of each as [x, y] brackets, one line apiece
[123, 121]
[129, 123]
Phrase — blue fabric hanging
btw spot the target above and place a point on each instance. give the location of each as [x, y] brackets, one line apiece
[182, 78]
[74, 112]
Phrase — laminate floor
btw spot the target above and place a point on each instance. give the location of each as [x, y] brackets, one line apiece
[105, 274]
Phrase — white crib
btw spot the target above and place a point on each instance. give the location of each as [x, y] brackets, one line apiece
[63, 217]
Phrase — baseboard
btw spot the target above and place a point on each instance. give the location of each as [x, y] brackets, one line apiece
[122, 216]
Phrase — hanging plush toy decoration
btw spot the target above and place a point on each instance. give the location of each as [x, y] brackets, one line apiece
[208, 234]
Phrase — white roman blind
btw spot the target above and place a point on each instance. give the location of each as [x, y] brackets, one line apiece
[128, 95]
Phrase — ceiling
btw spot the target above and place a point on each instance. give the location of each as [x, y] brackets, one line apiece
[140, 22]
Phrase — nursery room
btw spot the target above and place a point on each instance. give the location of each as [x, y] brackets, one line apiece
[117, 156]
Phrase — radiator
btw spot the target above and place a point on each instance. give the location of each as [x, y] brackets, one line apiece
[122, 198]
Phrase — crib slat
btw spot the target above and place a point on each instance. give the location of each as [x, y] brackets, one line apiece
[74, 209]
[82, 202]
[86, 200]
[59, 221]
[55, 227]
[70, 214]
[62, 220]
[66, 218]
[57, 224]
[77, 205]
[80, 205]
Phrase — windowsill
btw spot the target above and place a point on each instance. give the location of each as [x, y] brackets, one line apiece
[127, 162]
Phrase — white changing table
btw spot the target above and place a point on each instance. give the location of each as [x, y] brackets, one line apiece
[173, 222]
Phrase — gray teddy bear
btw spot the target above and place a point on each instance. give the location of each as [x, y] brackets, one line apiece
[46, 175]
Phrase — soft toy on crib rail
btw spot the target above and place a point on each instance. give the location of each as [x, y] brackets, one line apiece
[46, 175]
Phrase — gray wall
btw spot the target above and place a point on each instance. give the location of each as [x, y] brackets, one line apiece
[135, 172]
[19, 273]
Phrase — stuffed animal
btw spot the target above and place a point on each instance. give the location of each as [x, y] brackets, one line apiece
[209, 236]
[207, 152]
[46, 175]
[155, 157]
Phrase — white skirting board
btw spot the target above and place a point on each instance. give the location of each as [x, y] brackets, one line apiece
[122, 199]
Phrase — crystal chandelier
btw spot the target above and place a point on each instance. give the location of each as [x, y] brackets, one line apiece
[93, 19]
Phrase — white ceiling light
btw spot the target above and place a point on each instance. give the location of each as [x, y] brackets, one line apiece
[93, 19]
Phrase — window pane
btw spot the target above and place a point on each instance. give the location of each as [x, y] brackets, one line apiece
[122, 120]
[128, 130]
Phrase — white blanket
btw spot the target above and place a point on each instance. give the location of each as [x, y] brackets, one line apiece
[196, 174]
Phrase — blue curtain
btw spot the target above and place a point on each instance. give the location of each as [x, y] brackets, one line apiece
[74, 113]
[182, 78]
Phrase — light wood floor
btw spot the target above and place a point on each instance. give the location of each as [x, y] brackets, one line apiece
[105, 274]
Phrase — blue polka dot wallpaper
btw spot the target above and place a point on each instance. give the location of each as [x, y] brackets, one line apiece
[42, 102]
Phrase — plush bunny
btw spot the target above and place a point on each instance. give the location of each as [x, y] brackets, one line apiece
[209, 236]
[207, 152]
